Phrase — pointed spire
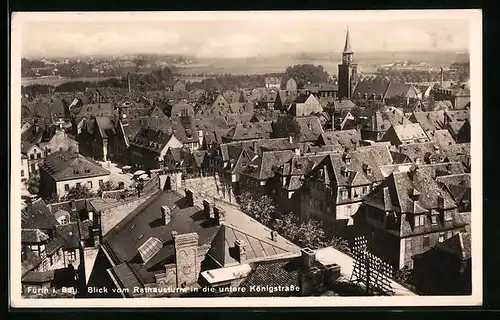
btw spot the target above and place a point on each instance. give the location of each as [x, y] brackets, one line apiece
[347, 47]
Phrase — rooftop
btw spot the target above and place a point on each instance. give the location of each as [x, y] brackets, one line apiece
[69, 165]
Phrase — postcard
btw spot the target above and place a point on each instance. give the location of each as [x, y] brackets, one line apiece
[246, 159]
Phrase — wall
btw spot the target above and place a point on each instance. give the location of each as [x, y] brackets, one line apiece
[111, 217]
[25, 174]
[461, 101]
[61, 141]
[60, 185]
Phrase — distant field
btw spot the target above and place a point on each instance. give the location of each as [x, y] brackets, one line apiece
[55, 81]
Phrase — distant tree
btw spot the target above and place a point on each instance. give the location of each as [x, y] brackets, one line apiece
[302, 73]
[106, 186]
[262, 208]
[286, 126]
[165, 74]
[33, 184]
[79, 192]
[310, 234]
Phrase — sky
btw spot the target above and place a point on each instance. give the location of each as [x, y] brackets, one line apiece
[231, 35]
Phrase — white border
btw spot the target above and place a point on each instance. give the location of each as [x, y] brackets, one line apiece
[474, 17]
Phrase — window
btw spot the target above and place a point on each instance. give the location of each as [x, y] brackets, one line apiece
[39, 155]
[447, 215]
[419, 220]
[366, 190]
[64, 220]
[441, 237]
[22, 173]
[66, 187]
[32, 156]
[90, 184]
[60, 149]
[48, 151]
[434, 219]
[343, 194]
[71, 256]
[78, 184]
[101, 182]
[427, 241]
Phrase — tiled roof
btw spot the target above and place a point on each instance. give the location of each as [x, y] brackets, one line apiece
[38, 277]
[223, 248]
[420, 151]
[182, 108]
[402, 184]
[459, 244]
[70, 233]
[106, 127]
[345, 138]
[151, 139]
[68, 165]
[162, 123]
[54, 245]
[375, 86]
[209, 124]
[273, 144]
[440, 105]
[457, 115]
[234, 119]
[96, 110]
[458, 185]
[373, 158]
[429, 121]
[458, 152]
[310, 128]
[126, 276]
[396, 89]
[410, 132]
[30, 262]
[279, 272]
[250, 130]
[455, 126]
[184, 129]
[33, 236]
[442, 137]
[37, 216]
[266, 163]
[343, 104]
[145, 222]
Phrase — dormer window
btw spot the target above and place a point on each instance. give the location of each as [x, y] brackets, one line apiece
[419, 220]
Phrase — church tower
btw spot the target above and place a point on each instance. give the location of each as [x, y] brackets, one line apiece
[347, 71]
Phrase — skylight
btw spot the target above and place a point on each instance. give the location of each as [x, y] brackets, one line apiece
[150, 248]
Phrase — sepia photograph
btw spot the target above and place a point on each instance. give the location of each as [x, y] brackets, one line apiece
[246, 159]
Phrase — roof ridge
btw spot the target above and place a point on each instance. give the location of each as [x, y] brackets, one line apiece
[252, 236]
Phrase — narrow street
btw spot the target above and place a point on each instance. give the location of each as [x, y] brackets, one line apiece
[117, 175]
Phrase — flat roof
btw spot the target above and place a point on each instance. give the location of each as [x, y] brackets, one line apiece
[227, 274]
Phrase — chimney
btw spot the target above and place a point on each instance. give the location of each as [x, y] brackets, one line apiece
[219, 215]
[274, 235]
[308, 258]
[290, 139]
[415, 195]
[440, 200]
[166, 214]
[96, 237]
[207, 209]
[174, 234]
[73, 205]
[442, 77]
[189, 197]
[241, 251]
